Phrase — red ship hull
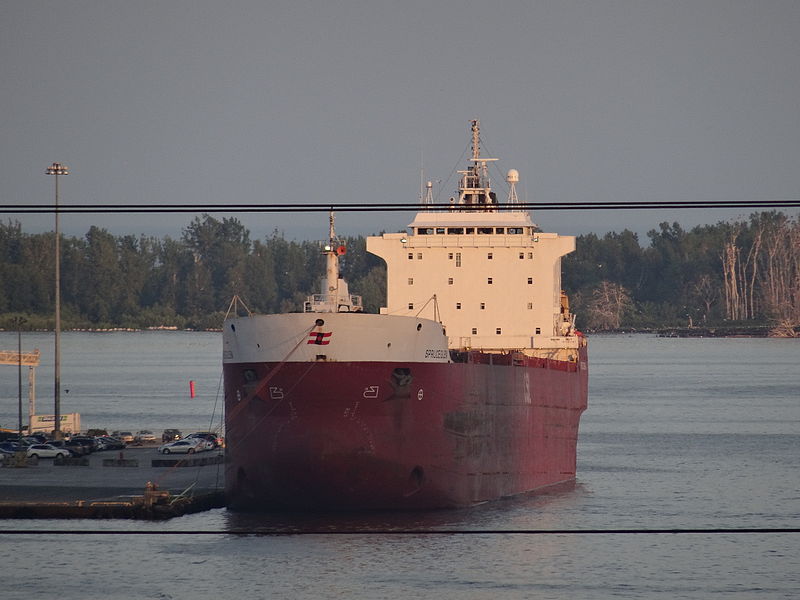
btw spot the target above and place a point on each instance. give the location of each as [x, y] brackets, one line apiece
[378, 435]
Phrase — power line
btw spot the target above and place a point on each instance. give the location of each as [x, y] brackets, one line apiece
[416, 532]
[375, 207]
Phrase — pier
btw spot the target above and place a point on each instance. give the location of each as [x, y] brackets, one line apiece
[137, 483]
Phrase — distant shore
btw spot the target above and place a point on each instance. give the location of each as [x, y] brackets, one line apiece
[757, 331]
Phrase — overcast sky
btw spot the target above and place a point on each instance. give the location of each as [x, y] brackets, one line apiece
[180, 101]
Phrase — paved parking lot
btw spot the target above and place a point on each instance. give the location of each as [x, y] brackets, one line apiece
[48, 482]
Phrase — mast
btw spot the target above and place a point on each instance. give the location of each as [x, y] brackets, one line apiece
[335, 296]
[332, 260]
[475, 187]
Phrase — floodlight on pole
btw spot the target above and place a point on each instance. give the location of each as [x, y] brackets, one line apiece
[19, 322]
[57, 169]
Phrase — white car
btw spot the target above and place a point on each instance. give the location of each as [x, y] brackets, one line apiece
[123, 436]
[46, 451]
[189, 446]
[145, 435]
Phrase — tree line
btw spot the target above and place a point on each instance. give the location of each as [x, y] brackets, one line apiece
[743, 272]
[127, 281]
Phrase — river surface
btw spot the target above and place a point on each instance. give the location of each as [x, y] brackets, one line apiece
[680, 434]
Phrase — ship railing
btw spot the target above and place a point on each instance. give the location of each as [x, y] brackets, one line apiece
[470, 241]
[333, 303]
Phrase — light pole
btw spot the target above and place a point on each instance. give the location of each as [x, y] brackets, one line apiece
[57, 169]
[19, 321]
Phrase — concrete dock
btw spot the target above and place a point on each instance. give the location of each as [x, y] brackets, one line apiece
[137, 483]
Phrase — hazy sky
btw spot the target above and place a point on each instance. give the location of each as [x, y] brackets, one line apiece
[180, 101]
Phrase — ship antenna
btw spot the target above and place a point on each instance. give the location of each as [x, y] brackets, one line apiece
[428, 193]
[513, 179]
[476, 139]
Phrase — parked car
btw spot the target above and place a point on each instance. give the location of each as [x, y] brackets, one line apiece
[11, 447]
[46, 451]
[144, 436]
[170, 435]
[76, 447]
[89, 443]
[184, 446]
[207, 435]
[123, 436]
[75, 450]
[107, 442]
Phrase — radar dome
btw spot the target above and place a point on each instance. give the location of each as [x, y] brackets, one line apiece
[513, 176]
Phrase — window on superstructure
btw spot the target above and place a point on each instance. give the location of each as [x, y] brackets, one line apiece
[530, 305]
[489, 256]
[474, 331]
[489, 280]
[419, 255]
[449, 256]
[530, 280]
[449, 281]
[485, 230]
[458, 259]
[410, 256]
[410, 306]
[515, 230]
[483, 305]
[499, 331]
[530, 254]
[455, 230]
[521, 255]
[538, 331]
[410, 281]
[500, 229]
[440, 230]
[458, 305]
[470, 230]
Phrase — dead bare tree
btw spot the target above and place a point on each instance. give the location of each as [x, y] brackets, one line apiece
[608, 304]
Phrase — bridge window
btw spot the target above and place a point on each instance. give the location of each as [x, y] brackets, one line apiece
[455, 230]
[485, 230]
[440, 230]
[500, 229]
[470, 230]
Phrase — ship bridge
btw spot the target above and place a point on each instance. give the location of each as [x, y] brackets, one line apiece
[484, 270]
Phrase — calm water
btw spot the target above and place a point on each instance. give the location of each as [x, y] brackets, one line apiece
[679, 434]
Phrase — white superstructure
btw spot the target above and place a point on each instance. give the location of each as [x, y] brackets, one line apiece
[481, 269]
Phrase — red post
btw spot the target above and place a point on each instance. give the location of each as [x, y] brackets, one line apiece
[191, 389]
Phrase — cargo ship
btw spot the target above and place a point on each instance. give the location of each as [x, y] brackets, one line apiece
[467, 387]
